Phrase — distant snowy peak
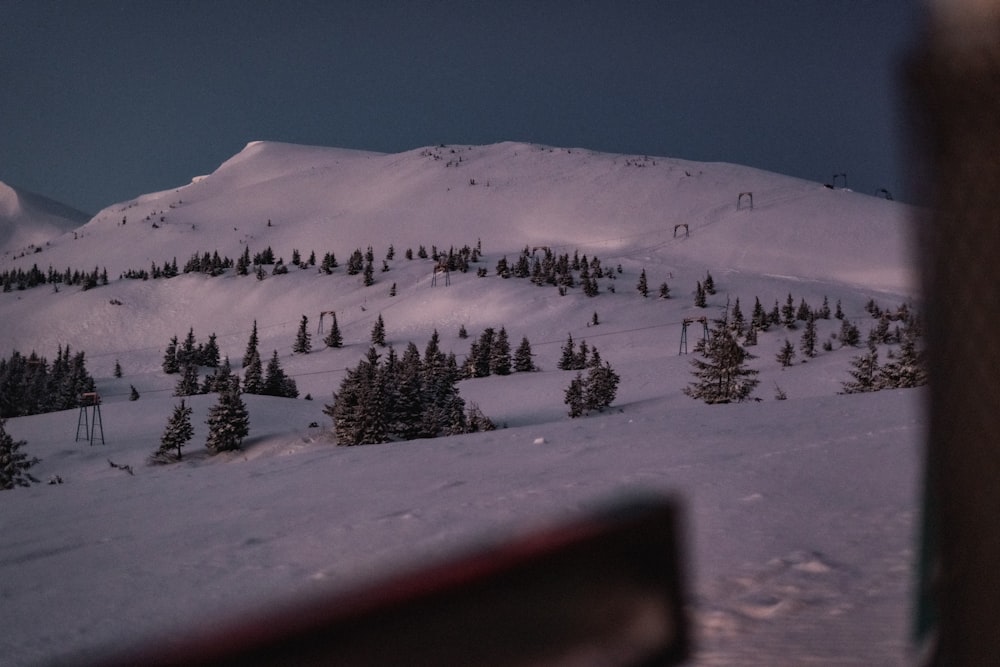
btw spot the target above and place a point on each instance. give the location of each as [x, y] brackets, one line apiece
[28, 220]
[508, 196]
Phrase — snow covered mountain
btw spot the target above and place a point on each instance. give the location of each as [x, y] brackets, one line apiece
[28, 220]
[800, 510]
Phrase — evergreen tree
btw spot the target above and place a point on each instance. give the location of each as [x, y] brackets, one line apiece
[601, 386]
[186, 353]
[170, 364]
[228, 421]
[378, 332]
[188, 383]
[276, 383]
[907, 369]
[849, 334]
[808, 342]
[664, 291]
[210, 353]
[358, 409]
[500, 361]
[523, 362]
[839, 314]
[14, 463]
[463, 333]
[133, 394]
[709, 284]
[251, 350]
[568, 359]
[759, 319]
[303, 339]
[737, 321]
[642, 286]
[788, 312]
[864, 373]
[804, 312]
[118, 369]
[574, 396]
[253, 375]
[774, 317]
[824, 310]
[176, 434]
[721, 374]
[786, 354]
[369, 274]
[405, 422]
[700, 300]
[333, 337]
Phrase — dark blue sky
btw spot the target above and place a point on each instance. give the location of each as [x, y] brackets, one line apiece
[102, 101]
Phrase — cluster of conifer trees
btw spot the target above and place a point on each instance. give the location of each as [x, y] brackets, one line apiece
[29, 385]
[19, 279]
[402, 398]
[189, 357]
[546, 268]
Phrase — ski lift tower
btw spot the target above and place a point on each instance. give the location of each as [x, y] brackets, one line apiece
[90, 417]
[684, 332]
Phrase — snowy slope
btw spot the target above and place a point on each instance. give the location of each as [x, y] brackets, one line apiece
[28, 220]
[800, 512]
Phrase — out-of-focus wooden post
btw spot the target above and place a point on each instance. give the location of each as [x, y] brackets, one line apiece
[955, 82]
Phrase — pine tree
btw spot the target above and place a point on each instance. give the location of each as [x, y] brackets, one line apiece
[700, 300]
[642, 286]
[188, 383]
[118, 369]
[722, 375]
[523, 362]
[804, 312]
[601, 386]
[864, 373]
[405, 423]
[170, 364]
[133, 394]
[378, 332]
[186, 353]
[228, 421]
[251, 350]
[253, 375]
[573, 396]
[500, 362]
[786, 354]
[276, 383]
[849, 333]
[358, 409]
[303, 339]
[737, 321]
[909, 368]
[759, 319]
[664, 291]
[210, 353]
[176, 434]
[709, 283]
[568, 359]
[824, 310]
[463, 333]
[808, 342]
[14, 463]
[788, 312]
[333, 337]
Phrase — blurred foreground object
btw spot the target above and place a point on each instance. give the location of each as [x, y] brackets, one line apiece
[604, 590]
[955, 82]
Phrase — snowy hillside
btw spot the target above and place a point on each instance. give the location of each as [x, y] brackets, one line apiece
[800, 512]
[28, 220]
